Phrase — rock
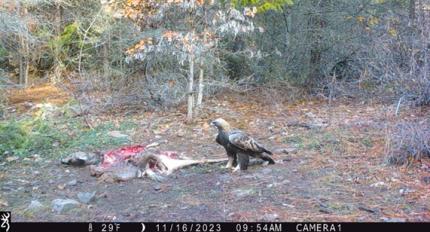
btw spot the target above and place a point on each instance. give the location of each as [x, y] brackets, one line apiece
[266, 171]
[426, 179]
[96, 170]
[310, 115]
[243, 192]
[62, 205]
[125, 173]
[12, 158]
[81, 159]
[378, 184]
[103, 195]
[72, 182]
[393, 219]
[366, 209]
[117, 134]
[86, 197]
[180, 133]
[4, 203]
[270, 217]
[28, 105]
[77, 110]
[322, 210]
[34, 206]
[405, 191]
[288, 150]
[288, 205]
[47, 110]
[36, 158]
[157, 187]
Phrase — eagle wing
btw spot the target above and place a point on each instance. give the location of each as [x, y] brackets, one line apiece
[245, 142]
[218, 139]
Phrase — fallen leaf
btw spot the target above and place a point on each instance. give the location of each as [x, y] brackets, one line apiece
[3, 203]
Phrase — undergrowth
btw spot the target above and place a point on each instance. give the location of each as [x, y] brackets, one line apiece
[56, 136]
[409, 141]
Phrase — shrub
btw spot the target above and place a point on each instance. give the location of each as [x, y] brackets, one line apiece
[409, 141]
[27, 135]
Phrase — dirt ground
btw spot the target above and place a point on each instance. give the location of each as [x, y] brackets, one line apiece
[335, 171]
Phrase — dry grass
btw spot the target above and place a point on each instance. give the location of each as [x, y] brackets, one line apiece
[409, 141]
[38, 94]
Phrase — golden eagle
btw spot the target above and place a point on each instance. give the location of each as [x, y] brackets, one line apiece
[239, 146]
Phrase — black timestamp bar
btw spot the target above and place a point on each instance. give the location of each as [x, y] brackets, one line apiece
[213, 226]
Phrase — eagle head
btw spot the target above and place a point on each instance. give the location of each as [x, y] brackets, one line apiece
[221, 124]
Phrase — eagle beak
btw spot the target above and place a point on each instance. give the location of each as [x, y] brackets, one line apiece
[212, 123]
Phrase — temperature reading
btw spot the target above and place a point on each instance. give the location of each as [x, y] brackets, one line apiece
[110, 227]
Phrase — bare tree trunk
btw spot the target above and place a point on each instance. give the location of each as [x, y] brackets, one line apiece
[201, 73]
[27, 62]
[106, 63]
[22, 67]
[317, 23]
[57, 66]
[24, 52]
[411, 11]
[190, 88]
[201, 85]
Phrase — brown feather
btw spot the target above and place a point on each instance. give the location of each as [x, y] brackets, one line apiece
[244, 142]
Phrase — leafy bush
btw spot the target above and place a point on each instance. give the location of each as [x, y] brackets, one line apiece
[27, 135]
[56, 136]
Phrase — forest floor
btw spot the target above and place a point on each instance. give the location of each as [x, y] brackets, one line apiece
[336, 169]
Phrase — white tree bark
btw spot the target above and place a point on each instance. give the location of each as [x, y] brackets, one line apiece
[190, 87]
[201, 79]
[201, 85]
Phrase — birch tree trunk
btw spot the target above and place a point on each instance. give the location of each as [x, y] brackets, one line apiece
[190, 88]
[201, 85]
